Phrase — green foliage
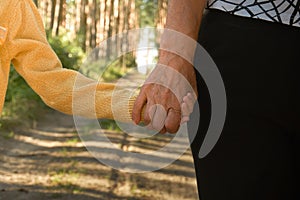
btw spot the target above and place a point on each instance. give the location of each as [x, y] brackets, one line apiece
[108, 124]
[148, 10]
[119, 67]
[21, 102]
[18, 88]
[69, 51]
[108, 70]
[8, 135]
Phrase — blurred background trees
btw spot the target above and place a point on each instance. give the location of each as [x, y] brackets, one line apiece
[92, 21]
[74, 28]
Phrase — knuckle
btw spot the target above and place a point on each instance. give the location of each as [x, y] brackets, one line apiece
[163, 130]
[172, 124]
[147, 119]
[172, 128]
[144, 89]
[167, 93]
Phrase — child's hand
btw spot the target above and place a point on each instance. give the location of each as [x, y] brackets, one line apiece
[187, 107]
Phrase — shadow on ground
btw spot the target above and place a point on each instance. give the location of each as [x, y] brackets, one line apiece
[50, 162]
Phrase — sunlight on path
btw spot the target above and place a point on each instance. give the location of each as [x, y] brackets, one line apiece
[50, 162]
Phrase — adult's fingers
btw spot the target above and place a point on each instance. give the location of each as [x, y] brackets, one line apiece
[163, 130]
[138, 106]
[158, 118]
[149, 112]
[173, 119]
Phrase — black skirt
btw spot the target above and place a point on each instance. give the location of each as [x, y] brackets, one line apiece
[257, 155]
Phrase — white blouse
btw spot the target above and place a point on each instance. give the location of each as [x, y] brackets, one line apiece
[282, 11]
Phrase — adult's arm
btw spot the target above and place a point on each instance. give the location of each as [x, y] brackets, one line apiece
[183, 16]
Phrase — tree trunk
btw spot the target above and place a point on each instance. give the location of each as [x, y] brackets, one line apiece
[60, 16]
[53, 6]
[93, 26]
[83, 24]
[36, 2]
[110, 17]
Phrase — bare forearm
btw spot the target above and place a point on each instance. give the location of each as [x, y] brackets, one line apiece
[182, 27]
[185, 16]
[165, 86]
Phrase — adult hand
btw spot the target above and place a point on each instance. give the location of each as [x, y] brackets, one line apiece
[163, 92]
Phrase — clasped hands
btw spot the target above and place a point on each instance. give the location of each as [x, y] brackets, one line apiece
[168, 94]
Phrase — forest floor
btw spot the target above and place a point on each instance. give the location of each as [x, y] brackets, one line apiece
[49, 162]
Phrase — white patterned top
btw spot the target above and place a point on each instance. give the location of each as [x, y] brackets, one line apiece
[281, 11]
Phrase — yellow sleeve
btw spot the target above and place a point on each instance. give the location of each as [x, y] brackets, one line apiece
[64, 90]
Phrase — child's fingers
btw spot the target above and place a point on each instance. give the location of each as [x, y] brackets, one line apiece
[189, 100]
[187, 107]
[185, 113]
[184, 109]
[184, 119]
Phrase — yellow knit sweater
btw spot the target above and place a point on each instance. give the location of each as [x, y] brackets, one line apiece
[23, 42]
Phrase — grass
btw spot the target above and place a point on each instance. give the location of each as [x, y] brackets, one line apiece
[73, 141]
[64, 178]
[9, 135]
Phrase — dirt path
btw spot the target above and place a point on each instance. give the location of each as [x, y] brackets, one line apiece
[49, 162]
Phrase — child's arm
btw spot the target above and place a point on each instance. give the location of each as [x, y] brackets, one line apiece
[34, 59]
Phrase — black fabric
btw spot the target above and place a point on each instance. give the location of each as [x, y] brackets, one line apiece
[257, 155]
